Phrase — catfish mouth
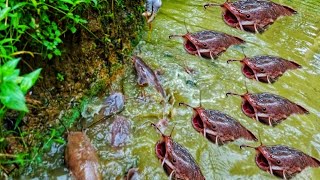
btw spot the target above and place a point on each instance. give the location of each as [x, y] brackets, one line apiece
[161, 149]
[230, 18]
[248, 71]
[161, 153]
[247, 108]
[197, 123]
[262, 162]
[190, 47]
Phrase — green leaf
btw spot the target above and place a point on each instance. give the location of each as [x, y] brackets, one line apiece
[29, 80]
[57, 52]
[50, 56]
[73, 29]
[12, 97]
[9, 67]
[19, 5]
[4, 12]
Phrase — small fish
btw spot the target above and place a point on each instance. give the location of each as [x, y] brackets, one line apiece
[218, 127]
[81, 157]
[146, 75]
[252, 15]
[268, 108]
[265, 69]
[120, 131]
[208, 44]
[176, 160]
[282, 161]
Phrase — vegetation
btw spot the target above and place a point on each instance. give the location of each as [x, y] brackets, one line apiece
[38, 30]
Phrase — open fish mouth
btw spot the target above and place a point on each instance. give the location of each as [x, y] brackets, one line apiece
[248, 109]
[248, 71]
[230, 18]
[161, 153]
[262, 162]
[197, 122]
[161, 149]
[190, 47]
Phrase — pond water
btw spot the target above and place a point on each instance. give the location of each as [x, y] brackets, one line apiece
[295, 38]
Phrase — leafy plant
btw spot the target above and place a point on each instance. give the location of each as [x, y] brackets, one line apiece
[13, 87]
[40, 24]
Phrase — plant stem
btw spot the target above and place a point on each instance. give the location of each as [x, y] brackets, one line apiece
[7, 5]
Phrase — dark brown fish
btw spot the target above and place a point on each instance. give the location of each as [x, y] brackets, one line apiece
[176, 160]
[252, 15]
[146, 75]
[282, 161]
[120, 131]
[265, 69]
[268, 108]
[218, 127]
[113, 104]
[81, 157]
[208, 44]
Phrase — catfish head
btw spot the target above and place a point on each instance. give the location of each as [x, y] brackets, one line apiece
[176, 160]
[252, 15]
[218, 127]
[282, 161]
[265, 68]
[268, 108]
[208, 44]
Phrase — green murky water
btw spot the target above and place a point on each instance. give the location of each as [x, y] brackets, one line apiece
[296, 38]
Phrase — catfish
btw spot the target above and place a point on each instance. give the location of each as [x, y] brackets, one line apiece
[265, 68]
[267, 108]
[176, 160]
[146, 75]
[217, 126]
[208, 44]
[252, 15]
[282, 161]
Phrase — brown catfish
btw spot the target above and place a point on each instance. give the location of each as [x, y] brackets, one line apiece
[252, 15]
[268, 108]
[208, 44]
[120, 131]
[282, 161]
[146, 75]
[265, 69]
[218, 127]
[81, 157]
[176, 160]
[113, 104]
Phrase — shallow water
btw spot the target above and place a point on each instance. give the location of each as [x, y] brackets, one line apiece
[295, 38]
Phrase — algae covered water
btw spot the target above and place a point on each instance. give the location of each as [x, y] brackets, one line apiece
[295, 38]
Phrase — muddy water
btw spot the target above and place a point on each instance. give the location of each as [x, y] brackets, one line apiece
[296, 38]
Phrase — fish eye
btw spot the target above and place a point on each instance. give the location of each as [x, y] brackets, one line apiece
[174, 160]
[248, 15]
[278, 161]
[204, 44]
[262, 70]
[264, 109]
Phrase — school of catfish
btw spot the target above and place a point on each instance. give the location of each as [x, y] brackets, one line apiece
[253, 16]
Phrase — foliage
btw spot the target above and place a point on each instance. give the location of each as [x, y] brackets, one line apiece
[13, 87]
[38, 24]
